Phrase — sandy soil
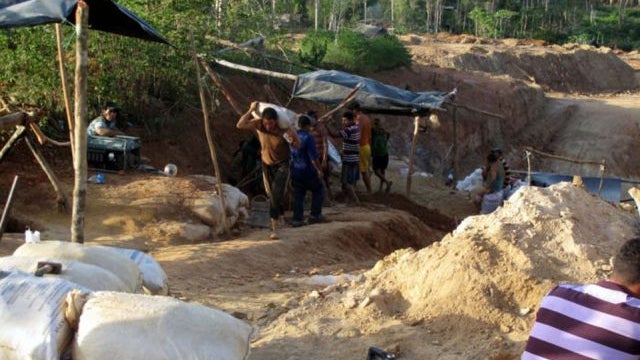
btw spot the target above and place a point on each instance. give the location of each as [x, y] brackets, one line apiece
[459, 286]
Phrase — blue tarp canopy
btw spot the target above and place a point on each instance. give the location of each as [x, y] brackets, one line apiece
[331, 87]
[104, 15]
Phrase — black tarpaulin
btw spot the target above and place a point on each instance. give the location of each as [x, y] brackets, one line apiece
[104, 15]
[331, 87]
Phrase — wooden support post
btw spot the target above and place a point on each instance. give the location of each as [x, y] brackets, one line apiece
[12, 140]
[7, 206]
[63, 79]
[416, 128]
[455, 145]
[218, 82]
[61, 199]
[207, 131]
[603, 167]
[80, 127]
[528, 154]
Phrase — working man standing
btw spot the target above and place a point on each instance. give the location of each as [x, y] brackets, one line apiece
[306, 175]
[594, 321]
[364, 124]
[105, 124]
[275, 156]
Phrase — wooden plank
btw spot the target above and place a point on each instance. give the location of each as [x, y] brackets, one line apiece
[7, 206]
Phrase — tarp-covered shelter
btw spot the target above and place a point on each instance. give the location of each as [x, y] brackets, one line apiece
[331, 87]
[105, 16]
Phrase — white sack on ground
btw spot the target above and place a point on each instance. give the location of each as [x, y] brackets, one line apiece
[32, 322]
[89, 276]
[470, 182]
[209, 209]
[134, 326]
[154, 279]
[286, 117]
[120, 265]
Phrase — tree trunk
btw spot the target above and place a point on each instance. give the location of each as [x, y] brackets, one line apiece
[80, 128]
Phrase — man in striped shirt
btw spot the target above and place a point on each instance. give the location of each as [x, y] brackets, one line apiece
[595, 321]
[350, 135]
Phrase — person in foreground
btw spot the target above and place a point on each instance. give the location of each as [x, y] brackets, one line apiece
[593, 321]
[105, 124]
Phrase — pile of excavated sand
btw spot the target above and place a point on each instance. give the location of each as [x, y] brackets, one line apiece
[495, 268]
[491, 271]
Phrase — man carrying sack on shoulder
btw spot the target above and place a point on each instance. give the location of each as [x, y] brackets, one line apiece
[275, 156]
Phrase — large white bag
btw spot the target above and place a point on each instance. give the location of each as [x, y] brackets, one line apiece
[32, 322]
[134, 326]
[89, 276]
[286, 117]
[154, 279]
[118, 264]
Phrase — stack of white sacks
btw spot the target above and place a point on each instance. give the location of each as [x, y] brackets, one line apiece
[95, 309]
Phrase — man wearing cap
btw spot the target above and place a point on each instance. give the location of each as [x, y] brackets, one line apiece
[105, 124]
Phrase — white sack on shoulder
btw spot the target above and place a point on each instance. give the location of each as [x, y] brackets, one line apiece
[286, 117]
[134, 326]
[89, 276]
[154, 279]
[33, 325]
[120, 265]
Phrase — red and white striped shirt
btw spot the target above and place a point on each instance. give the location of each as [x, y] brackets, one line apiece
[595, 321]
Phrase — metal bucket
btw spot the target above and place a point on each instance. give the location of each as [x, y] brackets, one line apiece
[259, 215]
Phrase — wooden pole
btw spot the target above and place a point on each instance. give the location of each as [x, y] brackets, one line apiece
[12, 140]
[63, 79]
[80, 128]
[455, 145]
[207, 131]
[7, 206]
[61, 198]
[416, 128]
[255, 70]
[218, 82]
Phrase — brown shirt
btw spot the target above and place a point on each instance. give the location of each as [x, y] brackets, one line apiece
[274, 148]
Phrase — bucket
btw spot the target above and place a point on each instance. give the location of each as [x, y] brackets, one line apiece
[259, 214]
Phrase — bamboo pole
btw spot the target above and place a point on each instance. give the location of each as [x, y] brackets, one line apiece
[207, 131]
[64, 81]
[80, 128]
[61, 198]
[416, 129]
[255, 70]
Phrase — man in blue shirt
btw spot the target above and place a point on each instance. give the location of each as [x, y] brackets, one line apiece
[306, 175]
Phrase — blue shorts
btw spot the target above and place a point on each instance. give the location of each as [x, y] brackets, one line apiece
[350, 173]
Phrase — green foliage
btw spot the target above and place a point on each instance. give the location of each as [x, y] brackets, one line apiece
[157, 81]
[353, 51]
[313, 47]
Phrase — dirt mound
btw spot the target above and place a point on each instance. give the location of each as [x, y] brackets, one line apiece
[569, 68]
[490, 273]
